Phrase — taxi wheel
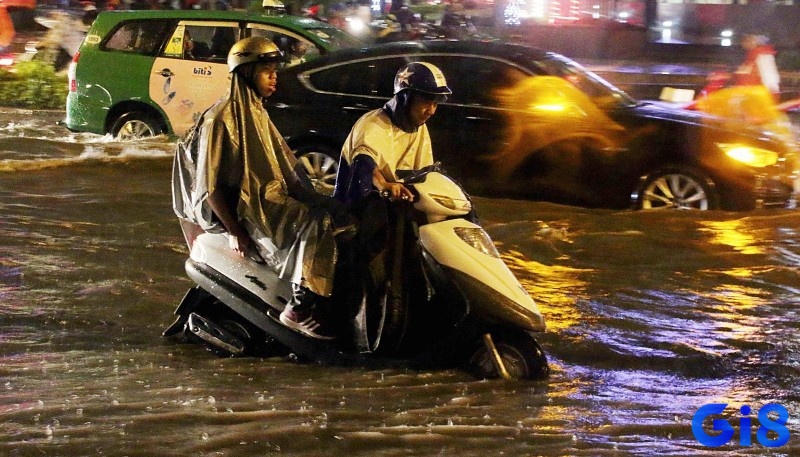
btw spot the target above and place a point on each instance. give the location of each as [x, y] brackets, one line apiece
[135, 125]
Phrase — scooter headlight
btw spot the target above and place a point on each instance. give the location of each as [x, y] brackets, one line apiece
[478, 239]
[451, 203]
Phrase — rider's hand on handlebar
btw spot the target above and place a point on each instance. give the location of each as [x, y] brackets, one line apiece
[397, 191]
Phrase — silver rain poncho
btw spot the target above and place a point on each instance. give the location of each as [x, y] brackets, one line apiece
[236, 148]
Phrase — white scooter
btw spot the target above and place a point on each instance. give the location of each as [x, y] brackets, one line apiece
[446, 298]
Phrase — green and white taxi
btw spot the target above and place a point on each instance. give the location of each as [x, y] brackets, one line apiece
[145, 73]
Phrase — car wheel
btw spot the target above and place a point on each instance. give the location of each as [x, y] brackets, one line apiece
[135, 125]
[677, 188]
[321, 164]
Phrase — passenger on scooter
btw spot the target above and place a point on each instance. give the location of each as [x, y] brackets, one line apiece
[235, 173]
[392, 138]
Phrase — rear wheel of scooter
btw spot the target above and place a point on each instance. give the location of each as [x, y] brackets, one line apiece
[256, 342]
[521, 355]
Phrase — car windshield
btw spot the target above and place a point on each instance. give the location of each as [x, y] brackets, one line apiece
[604, 94]
[335, 37]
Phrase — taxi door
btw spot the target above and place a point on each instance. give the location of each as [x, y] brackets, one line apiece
[191, 73]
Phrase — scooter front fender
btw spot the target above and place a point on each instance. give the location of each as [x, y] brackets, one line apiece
[486, 280]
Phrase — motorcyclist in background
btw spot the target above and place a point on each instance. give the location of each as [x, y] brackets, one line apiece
[758, 69]
[64, 37]
[759, 65]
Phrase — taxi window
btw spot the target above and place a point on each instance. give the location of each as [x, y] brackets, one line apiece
[140, 37]
[177, 43]
[282, 37]
[207, 42]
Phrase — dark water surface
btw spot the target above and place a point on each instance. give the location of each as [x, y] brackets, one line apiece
[650, 315]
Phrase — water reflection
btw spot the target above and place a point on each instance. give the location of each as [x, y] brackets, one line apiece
[650, 315]
[736, 234]
[556, 289]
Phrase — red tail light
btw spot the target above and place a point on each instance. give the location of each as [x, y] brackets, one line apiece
[6, 60]
[73, 83]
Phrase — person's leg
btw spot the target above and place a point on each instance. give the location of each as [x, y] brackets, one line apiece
[302, 315]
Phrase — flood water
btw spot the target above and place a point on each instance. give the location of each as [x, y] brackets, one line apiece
[650, 316]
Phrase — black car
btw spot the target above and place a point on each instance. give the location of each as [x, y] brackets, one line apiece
[524, 123]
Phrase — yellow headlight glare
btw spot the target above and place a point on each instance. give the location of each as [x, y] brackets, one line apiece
[748, 155]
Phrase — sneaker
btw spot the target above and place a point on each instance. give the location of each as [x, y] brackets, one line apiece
[303, 320]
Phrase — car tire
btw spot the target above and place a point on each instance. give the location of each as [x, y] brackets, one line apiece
[135, 125]
[321, 163]
[677, 188]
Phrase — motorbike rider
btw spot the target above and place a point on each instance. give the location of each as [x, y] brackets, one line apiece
[392, 138]
[451, 23]
[234, 173]
[64, 37]
[759, 65]
[382, 145]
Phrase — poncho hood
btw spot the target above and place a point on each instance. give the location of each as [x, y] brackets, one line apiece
[398, 110]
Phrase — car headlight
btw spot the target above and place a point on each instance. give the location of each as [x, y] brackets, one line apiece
[478, 239]
[755, 157]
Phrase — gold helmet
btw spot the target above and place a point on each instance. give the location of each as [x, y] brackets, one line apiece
[253, 49]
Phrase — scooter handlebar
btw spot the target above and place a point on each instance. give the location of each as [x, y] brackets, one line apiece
[387, 195]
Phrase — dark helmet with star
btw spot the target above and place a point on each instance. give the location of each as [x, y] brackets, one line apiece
[422, 77]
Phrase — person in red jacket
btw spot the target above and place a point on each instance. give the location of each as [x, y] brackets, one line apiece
[759, 65]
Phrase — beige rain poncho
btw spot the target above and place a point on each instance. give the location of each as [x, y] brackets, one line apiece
[387, 137]
[389, 146]
[236, 148]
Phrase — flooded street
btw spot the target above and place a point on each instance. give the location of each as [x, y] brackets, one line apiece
[650, 316]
